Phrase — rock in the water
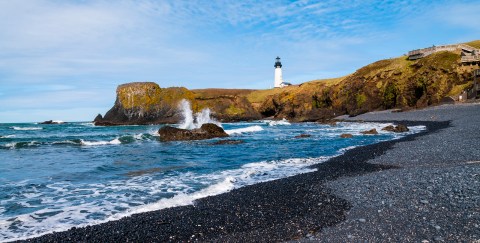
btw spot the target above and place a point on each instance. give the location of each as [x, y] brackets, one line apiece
[346, 135]
[328, 122]
[206, 131]
[372, 132]
[398, 128]
[52, 122]
[303, 136]
[232, 142]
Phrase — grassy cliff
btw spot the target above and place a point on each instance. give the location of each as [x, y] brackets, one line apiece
[385, 84]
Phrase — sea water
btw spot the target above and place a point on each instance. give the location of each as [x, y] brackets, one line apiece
[53, 177]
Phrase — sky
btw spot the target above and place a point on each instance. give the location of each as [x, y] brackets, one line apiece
[63, 60]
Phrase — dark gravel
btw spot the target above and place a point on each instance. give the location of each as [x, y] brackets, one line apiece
[371, 193]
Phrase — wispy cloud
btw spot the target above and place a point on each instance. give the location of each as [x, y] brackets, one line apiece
[79, 51]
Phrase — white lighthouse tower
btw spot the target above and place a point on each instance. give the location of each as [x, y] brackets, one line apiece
[278, 73]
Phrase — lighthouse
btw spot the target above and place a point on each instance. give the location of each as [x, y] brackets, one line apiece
[278, 73]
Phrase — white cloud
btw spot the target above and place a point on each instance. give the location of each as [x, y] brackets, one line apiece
[78, 51]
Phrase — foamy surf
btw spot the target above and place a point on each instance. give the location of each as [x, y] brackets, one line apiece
[26, 128]
[283, 122]
[244, 130]
[8, 136]
[115, 141]
[63, 214]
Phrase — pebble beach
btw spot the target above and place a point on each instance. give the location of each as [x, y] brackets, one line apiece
[421, 188]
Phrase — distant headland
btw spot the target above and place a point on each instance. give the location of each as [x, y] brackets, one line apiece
[422, 78]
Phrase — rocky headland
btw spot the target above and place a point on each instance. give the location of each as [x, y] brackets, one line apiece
[396, 83]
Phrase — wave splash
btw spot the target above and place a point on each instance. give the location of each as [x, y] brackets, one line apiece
[250, 129]
[283, 122]
[192, 121]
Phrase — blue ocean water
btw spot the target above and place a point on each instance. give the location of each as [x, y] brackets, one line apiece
[53, 177]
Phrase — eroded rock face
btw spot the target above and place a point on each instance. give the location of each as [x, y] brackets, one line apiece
[398, 128]
[206, 131]
[145, 103]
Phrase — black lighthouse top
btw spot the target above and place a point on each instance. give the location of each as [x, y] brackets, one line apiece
[278, 64]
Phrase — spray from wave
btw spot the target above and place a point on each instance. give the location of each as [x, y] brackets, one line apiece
[192, 121]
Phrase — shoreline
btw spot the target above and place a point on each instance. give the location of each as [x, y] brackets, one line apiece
[228, 217]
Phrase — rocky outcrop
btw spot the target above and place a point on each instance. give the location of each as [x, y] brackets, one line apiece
[50, 122]
[206, 131]
[346, 135]
[398, 128]
[143, 103]
[370, 132]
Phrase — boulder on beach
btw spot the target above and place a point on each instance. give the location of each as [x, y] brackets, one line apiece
[346, 135]
[398, 128]
[206, 131]
[370, 132]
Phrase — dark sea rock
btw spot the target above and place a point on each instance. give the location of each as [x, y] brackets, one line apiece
[328, 122]
[398, 128]
[370, 132]
[303, 136]
[346, 135]
[231, 142]
[206, 131]
[51, 122]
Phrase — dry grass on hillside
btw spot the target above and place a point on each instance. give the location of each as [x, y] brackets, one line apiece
[259, 96]
[209, 93]
[475, 44]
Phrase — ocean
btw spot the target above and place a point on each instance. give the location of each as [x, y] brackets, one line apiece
[54, 177]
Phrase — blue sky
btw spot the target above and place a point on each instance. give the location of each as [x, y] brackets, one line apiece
[63, 60]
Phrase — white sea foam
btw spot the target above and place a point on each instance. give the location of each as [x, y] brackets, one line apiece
[109, 198]
[14, 145]
[191, 121]
[26, 128]
[8, 136]
[255, 128]
[58, 121]
[97, 143]
[283, 122]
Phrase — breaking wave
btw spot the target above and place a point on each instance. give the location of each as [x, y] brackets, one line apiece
[250, 129]
[27, 128]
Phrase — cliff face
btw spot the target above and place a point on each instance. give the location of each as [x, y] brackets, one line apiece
[391, 83]
[145, 103]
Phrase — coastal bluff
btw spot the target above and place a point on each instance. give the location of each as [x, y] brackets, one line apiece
[395, 83]
[143, 103]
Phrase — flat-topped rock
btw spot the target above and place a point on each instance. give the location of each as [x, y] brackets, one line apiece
[206, 131]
